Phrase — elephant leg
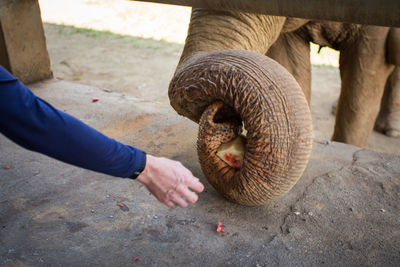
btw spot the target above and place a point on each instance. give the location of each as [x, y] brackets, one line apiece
[393, 46]
[363, 71]
[388, 121]
[292, 51]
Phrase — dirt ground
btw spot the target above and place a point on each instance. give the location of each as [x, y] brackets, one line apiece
[134, 48]
[344, 211]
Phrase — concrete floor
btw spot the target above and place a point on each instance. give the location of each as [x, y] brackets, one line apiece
[344, 211]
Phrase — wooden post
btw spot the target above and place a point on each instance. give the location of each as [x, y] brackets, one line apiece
[23, 49]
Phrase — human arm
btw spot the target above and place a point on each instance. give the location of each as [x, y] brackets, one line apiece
[34, 124]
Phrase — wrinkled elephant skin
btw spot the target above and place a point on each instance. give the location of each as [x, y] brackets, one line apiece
[264, 97]
[367, 54]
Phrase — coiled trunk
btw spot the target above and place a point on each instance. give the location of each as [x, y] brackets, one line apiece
[252, 89]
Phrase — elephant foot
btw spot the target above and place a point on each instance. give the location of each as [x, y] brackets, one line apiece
[388, 121]
[392, 133]
[388, 131]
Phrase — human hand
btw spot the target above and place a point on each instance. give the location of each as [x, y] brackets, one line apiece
[170, 182]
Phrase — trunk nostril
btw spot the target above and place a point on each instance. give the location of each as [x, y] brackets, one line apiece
[225, 113]
[211, 112]
[221, 130]
[219, 118]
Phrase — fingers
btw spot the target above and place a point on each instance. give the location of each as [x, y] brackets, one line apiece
[170, 204]
[179, 201]
[177, 196]
[180, 197]
[194, 184]
[170, 182]
[186, 194]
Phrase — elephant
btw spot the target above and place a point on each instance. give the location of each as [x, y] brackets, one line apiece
[369, 59]
[388, 120]
[226, 82]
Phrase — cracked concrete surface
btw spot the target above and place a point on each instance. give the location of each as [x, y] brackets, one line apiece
[344, 211]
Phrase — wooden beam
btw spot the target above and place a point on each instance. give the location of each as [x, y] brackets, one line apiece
[372, 12]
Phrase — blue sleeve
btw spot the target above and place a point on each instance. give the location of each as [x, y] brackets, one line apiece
[34, 124]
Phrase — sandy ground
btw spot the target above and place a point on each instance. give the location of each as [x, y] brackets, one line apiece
[138, 49]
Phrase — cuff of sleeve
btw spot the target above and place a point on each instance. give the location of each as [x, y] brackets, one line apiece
[141, 167]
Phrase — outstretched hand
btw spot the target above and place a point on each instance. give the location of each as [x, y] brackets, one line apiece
[170, 182]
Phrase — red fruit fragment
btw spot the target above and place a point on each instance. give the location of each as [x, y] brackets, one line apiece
[234, 161]
[120, 204]
[7, 167]
[95, 99]
[219, 228]
[136, 258]
[233, 152]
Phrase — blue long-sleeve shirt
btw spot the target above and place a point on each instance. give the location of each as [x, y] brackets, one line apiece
[34, 124]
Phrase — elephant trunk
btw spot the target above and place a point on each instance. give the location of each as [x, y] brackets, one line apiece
[223, 61]
[211, 30]
[255, 91]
